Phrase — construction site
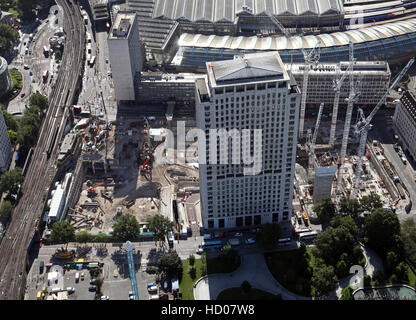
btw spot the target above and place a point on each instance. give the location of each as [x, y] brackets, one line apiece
[344, 163]
[124, 171]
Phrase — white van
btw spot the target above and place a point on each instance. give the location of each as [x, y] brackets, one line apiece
[154, 297]
[77, 277]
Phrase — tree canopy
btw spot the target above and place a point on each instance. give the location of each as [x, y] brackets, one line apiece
[170, 265]
[381, 231]
[408, 237]
[371, 202]
[126, 228]
[39, 100]
[10, 181]
[26, 7]
[349, 206]
[346, 222]
[323, 280]
[269, 236]
[325, 210]
[9, 38]
[6, 209]
[62, 232]
[160, 226]
[10, 120]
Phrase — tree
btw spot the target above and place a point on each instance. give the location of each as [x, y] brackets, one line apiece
[350, 206]
[6, 209]
[408, 237]
[10, 120]
[269, 236]
[323, 281]
[192, 273]
[332, 243]
[26, 7]
[12, 136]
[325, 210]
[246, 286]
[391, 261]
[126, 228]
[83, 237]
[170, 265]
[9, 38]
[62, 232]
[371, 202]
[10, 181]
[342, 269]
[160, 226]
[191, 259]
[346, 222]
[381, 231]
[379, 277]
[39, 100]
[367, 280]
[346, 293]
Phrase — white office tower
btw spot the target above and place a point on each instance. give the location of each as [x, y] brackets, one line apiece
[5, 146]
[125, 55]
[248, 93]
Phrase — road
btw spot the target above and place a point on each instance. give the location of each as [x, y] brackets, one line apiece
[27, 213]
[383, 132]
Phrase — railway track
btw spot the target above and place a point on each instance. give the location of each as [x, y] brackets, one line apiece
[13, 248]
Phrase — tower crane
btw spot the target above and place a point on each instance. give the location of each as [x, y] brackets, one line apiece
[311, 59]
[363, 126]
[311, 144]
[352, 98]
[337, 88]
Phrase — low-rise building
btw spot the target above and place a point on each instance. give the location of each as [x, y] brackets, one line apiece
[404, 121]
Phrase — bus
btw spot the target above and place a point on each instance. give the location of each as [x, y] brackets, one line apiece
[170, 239]
[212, 244]
[308, 237]
[92, 60]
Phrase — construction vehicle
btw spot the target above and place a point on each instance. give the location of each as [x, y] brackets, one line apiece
[129, 203]
[305, 218]
[144, 168]
[364, 125]
[311, 58]
[41, 294]
[91, 190]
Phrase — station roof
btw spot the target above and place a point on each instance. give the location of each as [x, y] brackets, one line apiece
[367, 34]
[227, 10]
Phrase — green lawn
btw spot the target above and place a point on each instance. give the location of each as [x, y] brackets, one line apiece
[187, 283]
[213, 265]
[253, 294]
[16, 79]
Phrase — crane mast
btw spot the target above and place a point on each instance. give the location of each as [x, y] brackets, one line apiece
[337, 88]
[311, 58]
[311, 145]
[352, 97]
[364, 125]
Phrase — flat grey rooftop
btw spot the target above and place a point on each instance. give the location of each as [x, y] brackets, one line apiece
[248, 68]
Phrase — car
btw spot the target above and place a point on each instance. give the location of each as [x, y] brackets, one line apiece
[82, 275]
[70, 289]
[33, 81]
[152, 288]
[26, 51]
[109, 73]
[41, 265]
[250, 241]
[238, 234]
[105, 298]
[55, 12]
[22, 94]
[106, 60]
[151, 284]
[92, 281]
[30, 51]
[92, 288]
[30, 73]
[199, 250]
